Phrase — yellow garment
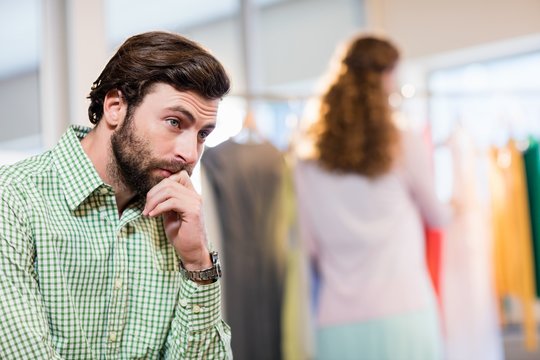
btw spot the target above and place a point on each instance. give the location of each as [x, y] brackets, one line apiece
[297, 322]
[297, 342]
[512, 234]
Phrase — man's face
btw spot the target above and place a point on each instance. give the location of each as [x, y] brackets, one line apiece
[162, 136]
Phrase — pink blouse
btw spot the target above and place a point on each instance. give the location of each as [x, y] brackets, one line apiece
[366, 236]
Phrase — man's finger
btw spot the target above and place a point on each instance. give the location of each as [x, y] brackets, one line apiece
[162, 192]
[183, 178]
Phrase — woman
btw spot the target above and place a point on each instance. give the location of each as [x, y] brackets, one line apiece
[364, 194]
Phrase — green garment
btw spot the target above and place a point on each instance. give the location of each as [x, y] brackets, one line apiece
[532, 166]
[78, 282]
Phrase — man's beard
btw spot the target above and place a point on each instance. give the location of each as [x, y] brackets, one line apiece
[132, 162]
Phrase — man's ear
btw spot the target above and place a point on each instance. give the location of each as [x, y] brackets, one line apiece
[114, 108]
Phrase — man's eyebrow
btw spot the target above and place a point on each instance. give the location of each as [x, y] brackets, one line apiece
[184, 112]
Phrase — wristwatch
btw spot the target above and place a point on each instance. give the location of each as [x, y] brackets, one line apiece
[213, 273]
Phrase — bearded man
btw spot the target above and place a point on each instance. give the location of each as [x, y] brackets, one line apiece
[103, 250]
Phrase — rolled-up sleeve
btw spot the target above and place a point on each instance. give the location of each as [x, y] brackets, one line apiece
[419, 173]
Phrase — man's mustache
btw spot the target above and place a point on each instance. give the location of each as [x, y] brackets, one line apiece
[176, 167]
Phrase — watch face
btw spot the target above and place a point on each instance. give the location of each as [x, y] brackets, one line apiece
[214, 257]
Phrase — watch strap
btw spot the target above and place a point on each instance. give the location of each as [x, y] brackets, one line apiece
[213, 273]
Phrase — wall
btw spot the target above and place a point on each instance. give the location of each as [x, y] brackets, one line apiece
[223, 39]
[297, 39]
[19, 109]
[428, 27]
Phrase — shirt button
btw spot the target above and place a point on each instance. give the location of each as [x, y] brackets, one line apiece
[104, 191]
[112, 337]
[196, 309]
[118, 283]
[183, 302]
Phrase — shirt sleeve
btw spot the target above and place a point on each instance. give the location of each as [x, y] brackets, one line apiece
[24, 329]
[419, 174]
[198, 331]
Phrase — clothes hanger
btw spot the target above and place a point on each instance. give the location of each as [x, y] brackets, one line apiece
[249, 134]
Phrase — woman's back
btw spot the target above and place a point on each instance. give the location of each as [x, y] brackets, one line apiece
[367, 235]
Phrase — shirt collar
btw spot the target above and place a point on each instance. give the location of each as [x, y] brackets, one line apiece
[75, 169]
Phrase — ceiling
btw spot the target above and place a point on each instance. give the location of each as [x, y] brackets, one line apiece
[20, 23]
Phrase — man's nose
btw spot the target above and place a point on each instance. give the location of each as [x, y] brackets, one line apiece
[187, 148]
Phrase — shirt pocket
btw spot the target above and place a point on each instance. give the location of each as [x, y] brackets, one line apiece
[152, 301]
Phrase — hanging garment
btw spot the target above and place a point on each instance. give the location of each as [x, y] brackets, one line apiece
[434, 241]
[212, 224]
[471, 321]
[532, 166]
[434, 258]
[297, 317]
[247, 182]
[514, 273]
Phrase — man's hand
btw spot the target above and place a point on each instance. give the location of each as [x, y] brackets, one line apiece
[181, 206]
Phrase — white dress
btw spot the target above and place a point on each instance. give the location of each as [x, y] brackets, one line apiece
[468, 297]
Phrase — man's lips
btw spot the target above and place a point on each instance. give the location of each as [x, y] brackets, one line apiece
[164, 172]
[168, 170]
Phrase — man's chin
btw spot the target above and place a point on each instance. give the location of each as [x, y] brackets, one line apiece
[143, 189]
[153, 181]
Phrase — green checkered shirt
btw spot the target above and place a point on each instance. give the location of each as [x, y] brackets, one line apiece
[77, 282]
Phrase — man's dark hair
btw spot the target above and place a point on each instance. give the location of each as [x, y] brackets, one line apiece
[158, 57]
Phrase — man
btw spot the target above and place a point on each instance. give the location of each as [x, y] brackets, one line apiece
[103, 252]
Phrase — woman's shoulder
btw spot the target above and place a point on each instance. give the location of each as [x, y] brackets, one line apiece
[307, 166]
[413, 137]
[408, 129]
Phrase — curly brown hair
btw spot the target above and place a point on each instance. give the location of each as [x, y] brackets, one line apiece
[354, 131]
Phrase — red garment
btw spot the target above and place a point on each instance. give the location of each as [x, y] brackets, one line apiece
[434, 245]
[434, 242]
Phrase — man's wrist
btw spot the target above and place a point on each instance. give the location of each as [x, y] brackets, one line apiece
[202, 274]
[197, 266]
[198, 261]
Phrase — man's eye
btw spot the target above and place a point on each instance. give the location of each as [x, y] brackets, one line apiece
[173, 122]
[204, 134]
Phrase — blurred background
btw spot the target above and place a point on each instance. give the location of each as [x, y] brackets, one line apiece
[472, 64]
